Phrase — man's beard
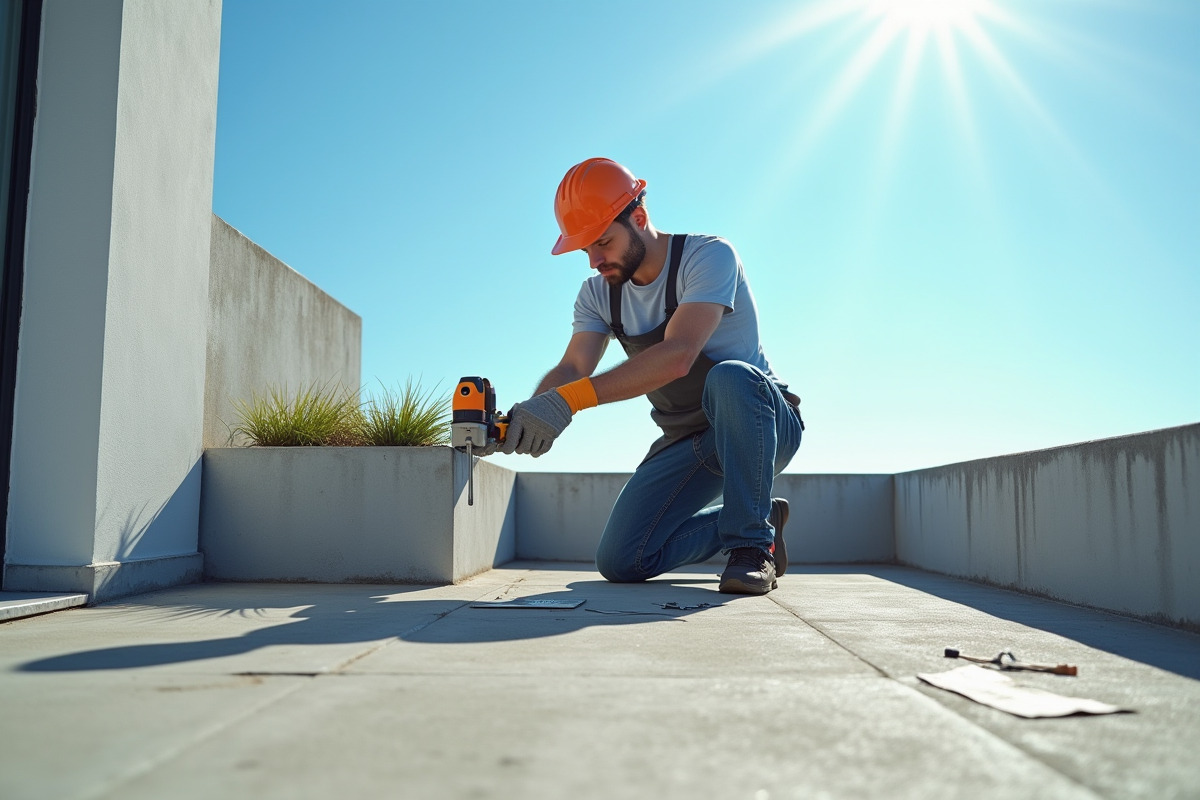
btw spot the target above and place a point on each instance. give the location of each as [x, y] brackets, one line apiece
[631, 259]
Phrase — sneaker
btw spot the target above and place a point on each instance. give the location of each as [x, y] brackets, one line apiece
[751, 570]
[779, 518]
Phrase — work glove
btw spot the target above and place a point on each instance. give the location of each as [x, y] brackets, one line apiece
[535, 424]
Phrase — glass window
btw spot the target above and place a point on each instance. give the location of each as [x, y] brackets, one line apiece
[20, 21]
[10, 51]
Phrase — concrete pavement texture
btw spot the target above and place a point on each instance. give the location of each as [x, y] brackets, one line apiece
[350, 690]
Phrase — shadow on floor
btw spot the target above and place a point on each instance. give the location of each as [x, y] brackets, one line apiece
[333, 615]
[347, 618]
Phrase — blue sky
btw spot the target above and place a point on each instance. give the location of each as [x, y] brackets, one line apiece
[972, 228]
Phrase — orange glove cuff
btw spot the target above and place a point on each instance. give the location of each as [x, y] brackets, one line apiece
[579, 395]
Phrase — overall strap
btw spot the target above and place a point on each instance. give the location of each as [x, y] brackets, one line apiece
[677, 241]
[614, 312]
[614, 292]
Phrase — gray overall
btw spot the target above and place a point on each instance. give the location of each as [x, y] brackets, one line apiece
[676, 406]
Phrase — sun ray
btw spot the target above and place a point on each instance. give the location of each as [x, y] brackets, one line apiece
[984, 194]
[898, 106]
[695, 78]
[916, 21]
[950, 39]
[1100, 62]
[837, 97]
[894, 126]
[781, 33]
[995, 60]
[964, 113]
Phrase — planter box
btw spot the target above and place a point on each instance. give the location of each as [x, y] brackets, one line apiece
[353, 514]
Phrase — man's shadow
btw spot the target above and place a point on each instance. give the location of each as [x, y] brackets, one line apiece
[383, 613]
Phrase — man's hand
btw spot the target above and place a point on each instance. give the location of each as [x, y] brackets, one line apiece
[535, 424]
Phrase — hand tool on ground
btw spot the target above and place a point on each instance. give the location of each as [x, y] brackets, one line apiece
[1006, 660]
[475, 423]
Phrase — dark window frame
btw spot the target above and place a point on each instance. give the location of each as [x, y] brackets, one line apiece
[14, 251]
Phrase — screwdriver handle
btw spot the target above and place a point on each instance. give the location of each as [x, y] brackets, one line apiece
[1056, 669]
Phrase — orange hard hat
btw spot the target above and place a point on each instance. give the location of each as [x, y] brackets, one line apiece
[592, 194]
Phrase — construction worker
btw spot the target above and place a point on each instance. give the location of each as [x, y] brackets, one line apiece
[682, 310]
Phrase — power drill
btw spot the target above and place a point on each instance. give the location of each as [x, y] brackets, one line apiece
[475, 422]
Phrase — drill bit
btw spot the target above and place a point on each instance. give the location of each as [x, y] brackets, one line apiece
[470, 475]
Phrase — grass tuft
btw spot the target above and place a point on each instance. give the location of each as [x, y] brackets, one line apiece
[410, 417]
[329, 415]
[319, 415]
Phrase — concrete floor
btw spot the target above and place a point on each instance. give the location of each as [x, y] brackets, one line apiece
[295, 691]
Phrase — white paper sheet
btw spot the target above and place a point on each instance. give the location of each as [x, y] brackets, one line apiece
[994, 688]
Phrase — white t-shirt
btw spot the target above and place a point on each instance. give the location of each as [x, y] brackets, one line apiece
[710, 272]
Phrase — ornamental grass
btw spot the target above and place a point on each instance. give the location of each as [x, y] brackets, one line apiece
[329, 415]
[410, 417]
[320, 414]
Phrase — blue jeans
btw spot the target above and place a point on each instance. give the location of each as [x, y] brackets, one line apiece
[661, 519]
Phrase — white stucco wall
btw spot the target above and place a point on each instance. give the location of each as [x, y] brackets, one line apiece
[154, 343]
[109, 398]
[55, 449]
[269, 325]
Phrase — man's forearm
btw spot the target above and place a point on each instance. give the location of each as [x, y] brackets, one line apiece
[653, 368]
[650, 369]
[560, 375]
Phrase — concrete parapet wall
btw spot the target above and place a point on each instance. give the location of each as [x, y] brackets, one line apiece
[268, 325]
[1113, 524]
[834, 518]
[560, 515]
[838, 518]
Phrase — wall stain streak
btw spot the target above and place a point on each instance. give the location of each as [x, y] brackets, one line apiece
[1110, 523]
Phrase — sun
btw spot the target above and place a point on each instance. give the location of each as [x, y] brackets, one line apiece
[914, 42]
[924, 16]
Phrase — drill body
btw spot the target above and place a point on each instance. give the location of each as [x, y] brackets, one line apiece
[475, 423]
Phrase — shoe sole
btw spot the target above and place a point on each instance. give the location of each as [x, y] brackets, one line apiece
[781, 559]
[734, 586]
